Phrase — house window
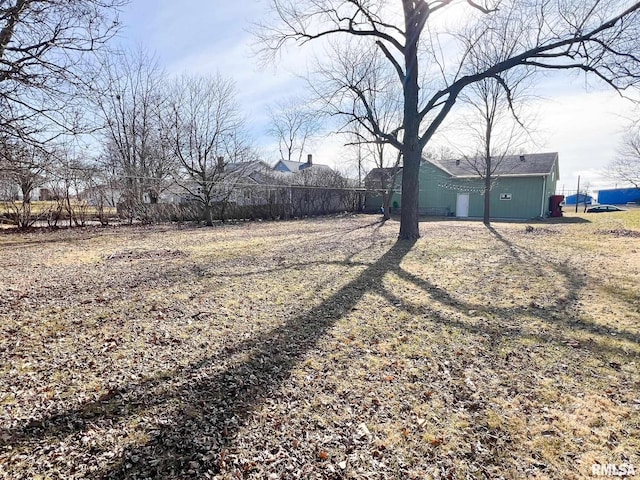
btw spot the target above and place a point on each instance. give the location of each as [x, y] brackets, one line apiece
[505, 196]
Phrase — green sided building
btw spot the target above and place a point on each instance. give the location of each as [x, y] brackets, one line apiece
[521, 187]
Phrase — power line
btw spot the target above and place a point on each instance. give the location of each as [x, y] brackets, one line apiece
[221, 182]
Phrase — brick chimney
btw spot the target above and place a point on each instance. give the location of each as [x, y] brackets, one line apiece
[309, 159]
[220, 164]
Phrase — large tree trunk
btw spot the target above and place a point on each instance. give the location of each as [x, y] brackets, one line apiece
[415, 17]
[208, 213]
[409, 228]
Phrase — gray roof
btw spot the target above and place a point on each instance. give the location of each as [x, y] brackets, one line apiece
[267, 178]
[246, 168]
[529, 164]
[376, 176]
[379, 172]
[297, 166]
[255, 171]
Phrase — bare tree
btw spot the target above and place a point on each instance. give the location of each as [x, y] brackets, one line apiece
[293, 126]
[599, 37]
[360, 156]
[43, 48]
[131, 102]
[497, 128]
[386, 158]
[206, 135]
[9, 190]
[102, 191]
[626, 167]
[496, 123]
[360, 159]
[382, 177]
[25, 168]
[586, 189]
[70, 177]
[387, 180]
[319, 191]
[357, 85]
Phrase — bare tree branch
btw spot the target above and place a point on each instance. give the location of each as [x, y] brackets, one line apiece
[293, 126]
[599, 38]
[43, 62]
[626, 167]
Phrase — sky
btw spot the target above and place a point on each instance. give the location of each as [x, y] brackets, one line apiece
[577, 119]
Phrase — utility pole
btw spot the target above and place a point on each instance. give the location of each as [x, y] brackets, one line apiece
[577, 193]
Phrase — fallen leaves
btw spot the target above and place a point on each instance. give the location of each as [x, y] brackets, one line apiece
[144, 254]
[258, 351]
[620, 232]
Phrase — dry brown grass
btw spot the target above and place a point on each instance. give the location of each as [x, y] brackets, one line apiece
[321, 349]
[42, 207]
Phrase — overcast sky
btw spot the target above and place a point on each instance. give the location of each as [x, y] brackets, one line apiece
[583, 123]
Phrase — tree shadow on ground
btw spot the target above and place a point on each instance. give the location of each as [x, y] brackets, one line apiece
[221, 403]
[208, 412]
[204, 407]
[575, 283]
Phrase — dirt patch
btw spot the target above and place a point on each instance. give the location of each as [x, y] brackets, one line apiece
[144, 255]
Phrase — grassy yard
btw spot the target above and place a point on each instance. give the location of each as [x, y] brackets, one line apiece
[321, 349]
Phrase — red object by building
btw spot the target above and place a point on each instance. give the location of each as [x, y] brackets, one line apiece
[555, 209]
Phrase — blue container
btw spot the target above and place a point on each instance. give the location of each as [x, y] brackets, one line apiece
[619, 196]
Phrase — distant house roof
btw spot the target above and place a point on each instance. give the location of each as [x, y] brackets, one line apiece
[380, 172]
[376, 176]
[290, 166]
[529, 164]
[247, 169]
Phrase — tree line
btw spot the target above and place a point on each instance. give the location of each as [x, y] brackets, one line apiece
[392, 72]
[89, 128]
[433, 62]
